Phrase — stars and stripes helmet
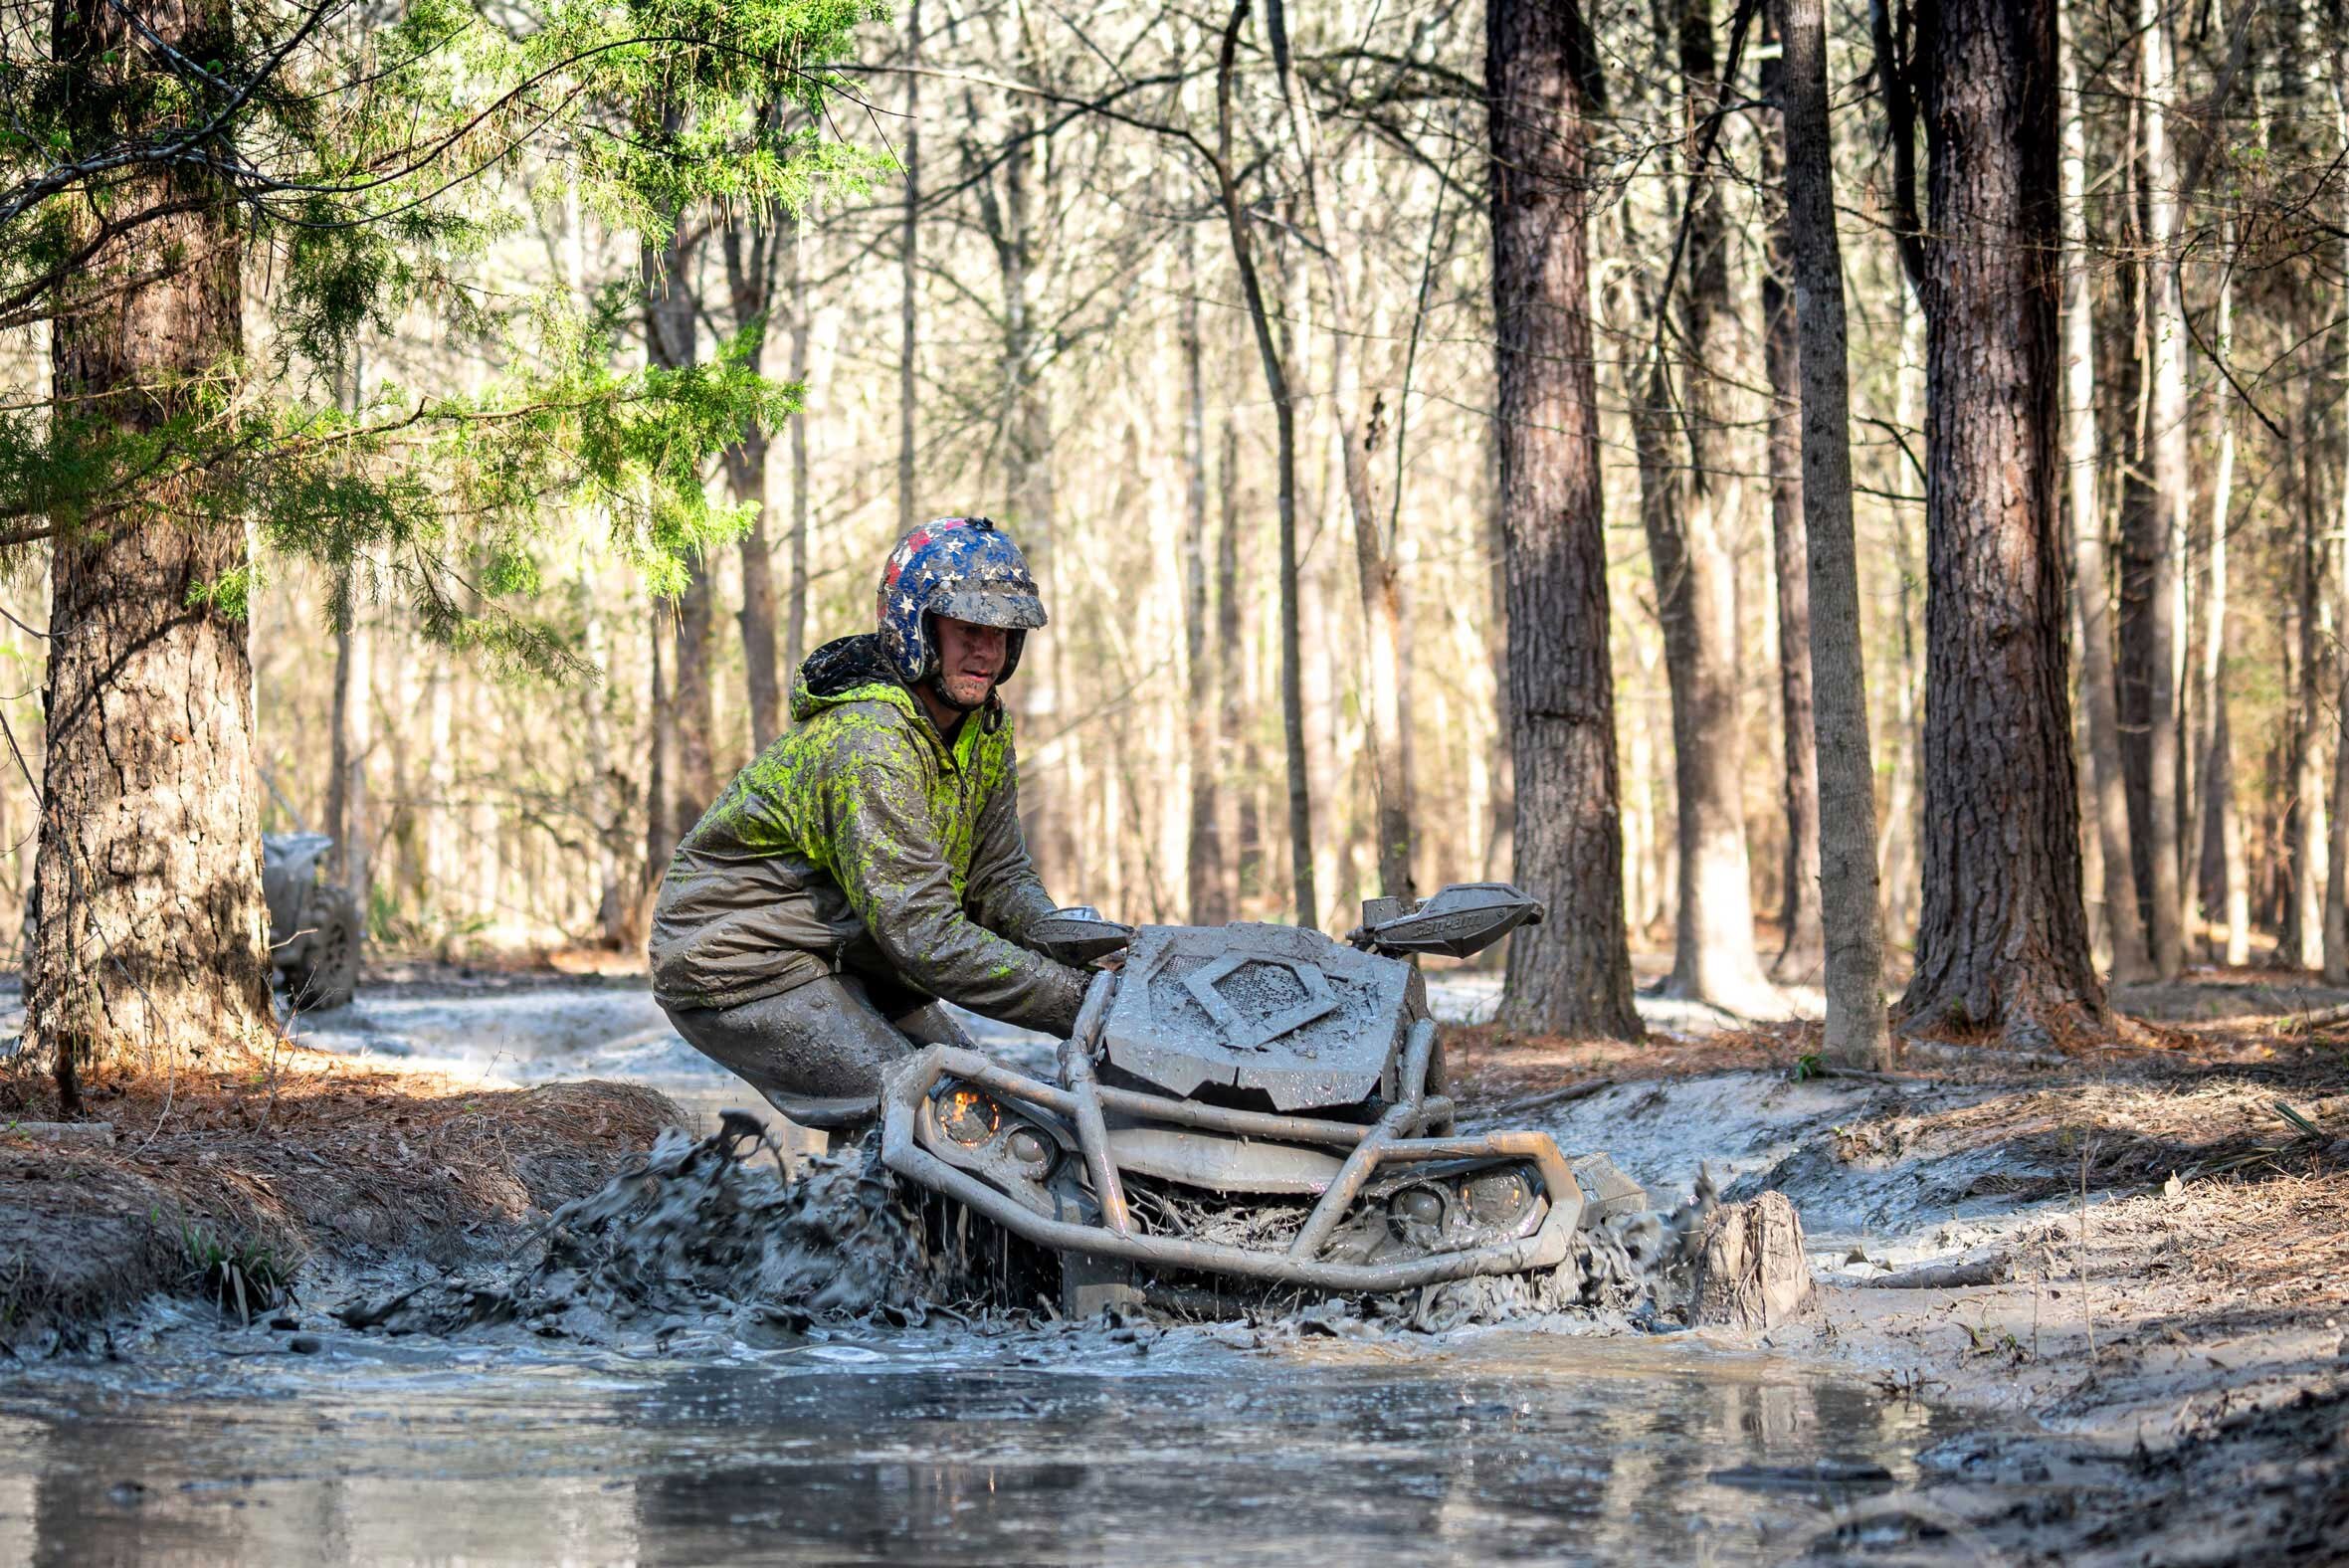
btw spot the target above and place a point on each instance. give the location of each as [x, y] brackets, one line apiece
[963, 568]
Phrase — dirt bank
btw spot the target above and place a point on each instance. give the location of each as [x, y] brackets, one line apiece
[2132, 1264]
[229, 1181]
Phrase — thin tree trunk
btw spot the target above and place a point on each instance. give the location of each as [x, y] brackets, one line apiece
[794, 604]
[750, 287]
[1362, 430]
[1293, 710]
[147, 945]
[2305, 829]
[1802, 943]
[1572, 974]
[2106, 800]
[2172, 489]
[1687, 520]
[672, 308]
[2002, 943]
[1850, 909]
[2221, 817]
[662, 829]
[1246, 883]
[909, 273]
[1205, 857]
[348, 819]
[2336, 895]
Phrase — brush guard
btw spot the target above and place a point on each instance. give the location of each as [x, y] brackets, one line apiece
[1112, 1237]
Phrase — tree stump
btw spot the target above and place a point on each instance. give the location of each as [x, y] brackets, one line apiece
[1750, 1269]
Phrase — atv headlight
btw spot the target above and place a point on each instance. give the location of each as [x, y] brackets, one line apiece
[1499, 1199]
[1418, 1206]
[1030, 1149]
[968, 1116]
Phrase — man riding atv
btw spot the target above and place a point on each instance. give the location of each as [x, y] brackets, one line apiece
[869, 863]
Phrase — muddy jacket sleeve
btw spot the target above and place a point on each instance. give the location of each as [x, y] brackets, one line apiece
[889, 862]
[1004, 893]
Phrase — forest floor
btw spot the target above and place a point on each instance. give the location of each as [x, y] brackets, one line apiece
[2130, 1264]
[228, 1181]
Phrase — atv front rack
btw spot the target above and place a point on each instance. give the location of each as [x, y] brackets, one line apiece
[1391, 1140]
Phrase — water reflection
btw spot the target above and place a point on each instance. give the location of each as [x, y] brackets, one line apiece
[1502, 1448]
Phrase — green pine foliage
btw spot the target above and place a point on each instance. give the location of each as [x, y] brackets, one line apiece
[371, 159]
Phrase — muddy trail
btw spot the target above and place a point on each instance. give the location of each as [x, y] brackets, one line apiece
[2082, 1312]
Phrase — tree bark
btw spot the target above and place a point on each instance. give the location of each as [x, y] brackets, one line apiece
[2106, 801]
[794, 604]
[1362, 430]
[1572, 974]
[1850, 899]
[672, 313]
[909, 273]
[750, 287]
[2336, 888]
[1231, 746]
[147, 946]
[2003, 940]
[348, 820]
[1239, 225]
[2304, 830]
[1206, 884]
[1802, 943]
[1687, 522]
[2172, 488]
[662, 828]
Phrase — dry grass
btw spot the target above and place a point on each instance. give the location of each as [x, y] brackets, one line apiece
[289, 1159]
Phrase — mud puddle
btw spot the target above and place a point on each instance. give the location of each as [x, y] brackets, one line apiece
[1194, 1445]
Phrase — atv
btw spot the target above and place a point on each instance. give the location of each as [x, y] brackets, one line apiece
[315, 925]
[1246, 1108]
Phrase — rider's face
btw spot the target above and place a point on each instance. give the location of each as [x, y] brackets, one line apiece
[970, 660]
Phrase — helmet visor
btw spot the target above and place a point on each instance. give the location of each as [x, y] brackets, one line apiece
[984, 605]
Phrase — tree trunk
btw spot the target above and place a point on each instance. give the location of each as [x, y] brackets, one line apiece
[148, 943]
[1247, 837]
[1239, 225]
[1572, 974]
[2003, 940]
[909, 273]
[2220, 846]
[662, 829]
[1687, 519]
[2304, 831]
[1802, 945]
[750, 287]
[1852, 912]
[2106, 801]
[1362, 430]
[2336, 895]
[795, 611]
[1205, 889]
[2170, 490]
[672, 311]
[747, 476]
[348, 820]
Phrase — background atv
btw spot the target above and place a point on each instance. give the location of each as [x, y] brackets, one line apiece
[315, 929]
[1240, 1108]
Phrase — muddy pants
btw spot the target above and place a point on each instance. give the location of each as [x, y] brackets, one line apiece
[818, 1051]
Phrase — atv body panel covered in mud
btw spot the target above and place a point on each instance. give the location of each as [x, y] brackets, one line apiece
[1245, 1103]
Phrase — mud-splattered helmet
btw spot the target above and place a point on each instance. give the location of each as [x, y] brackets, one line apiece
[963, 568]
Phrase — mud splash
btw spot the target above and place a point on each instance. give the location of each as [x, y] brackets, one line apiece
[718, 1233]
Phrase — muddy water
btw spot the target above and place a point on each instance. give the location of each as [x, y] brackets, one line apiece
[1199, 1445]
[1175, 1448]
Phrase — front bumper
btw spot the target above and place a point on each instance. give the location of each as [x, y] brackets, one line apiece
[908, 1114]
